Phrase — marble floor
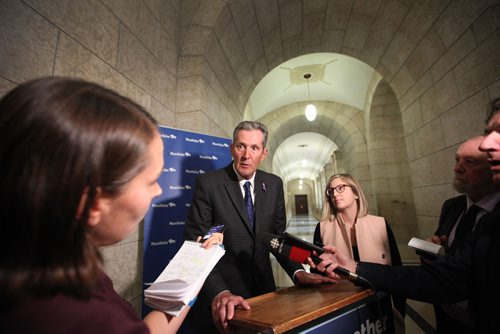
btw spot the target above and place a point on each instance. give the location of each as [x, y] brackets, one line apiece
[420, 316]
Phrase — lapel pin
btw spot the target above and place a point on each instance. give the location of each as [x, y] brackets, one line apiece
[264, 187]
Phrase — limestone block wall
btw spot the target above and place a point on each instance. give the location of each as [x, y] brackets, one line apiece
[389, 166]
[214, 75]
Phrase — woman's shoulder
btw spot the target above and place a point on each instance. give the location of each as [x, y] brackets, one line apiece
[325, 221]
[374, 219]
[102, 313]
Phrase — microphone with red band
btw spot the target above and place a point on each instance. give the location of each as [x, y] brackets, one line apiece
[298, 250]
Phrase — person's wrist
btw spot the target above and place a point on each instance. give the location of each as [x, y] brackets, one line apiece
[296, 275]
[354, 277]
[220, 294]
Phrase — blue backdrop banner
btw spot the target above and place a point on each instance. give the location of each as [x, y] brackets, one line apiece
[186, 155]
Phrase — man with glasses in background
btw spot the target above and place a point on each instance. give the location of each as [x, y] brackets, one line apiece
[459, 215]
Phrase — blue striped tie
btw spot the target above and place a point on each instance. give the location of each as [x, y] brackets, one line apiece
[248, 201]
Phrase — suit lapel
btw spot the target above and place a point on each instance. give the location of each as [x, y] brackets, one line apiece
[234, 192]
[455, 212]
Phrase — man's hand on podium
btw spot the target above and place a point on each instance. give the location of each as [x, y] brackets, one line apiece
[223, 306]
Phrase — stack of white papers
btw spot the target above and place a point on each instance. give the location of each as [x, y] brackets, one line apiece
[182, 278]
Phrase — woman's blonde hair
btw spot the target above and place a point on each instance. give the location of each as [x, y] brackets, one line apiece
[330, 211]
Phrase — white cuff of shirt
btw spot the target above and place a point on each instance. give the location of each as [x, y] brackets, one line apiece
[296, 271]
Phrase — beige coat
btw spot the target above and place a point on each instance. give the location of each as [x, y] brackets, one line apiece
[371, 236]
[373, 246]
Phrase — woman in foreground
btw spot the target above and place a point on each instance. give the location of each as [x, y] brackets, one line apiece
[79, 166]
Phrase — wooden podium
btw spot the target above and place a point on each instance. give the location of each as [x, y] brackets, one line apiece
[295, 309]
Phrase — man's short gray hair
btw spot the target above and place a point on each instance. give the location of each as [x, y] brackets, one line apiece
[251, 125]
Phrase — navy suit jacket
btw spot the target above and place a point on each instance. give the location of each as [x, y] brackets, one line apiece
[245, 269]
[472, 272]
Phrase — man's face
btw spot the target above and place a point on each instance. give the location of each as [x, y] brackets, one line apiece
[247, 152]
[491, 145]
[472, 171]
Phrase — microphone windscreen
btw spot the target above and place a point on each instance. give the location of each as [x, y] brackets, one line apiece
[295, 241]
[272, 241]
[280, 246]
[299, 254]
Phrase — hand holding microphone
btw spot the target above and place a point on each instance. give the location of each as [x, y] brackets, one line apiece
[301, 251]
[331, 262]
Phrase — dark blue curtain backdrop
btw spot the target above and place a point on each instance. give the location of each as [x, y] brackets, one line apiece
[186, 155]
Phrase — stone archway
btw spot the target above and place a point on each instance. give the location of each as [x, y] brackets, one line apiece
[439, 59]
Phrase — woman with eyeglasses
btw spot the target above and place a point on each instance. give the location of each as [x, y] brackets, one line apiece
[346, 224]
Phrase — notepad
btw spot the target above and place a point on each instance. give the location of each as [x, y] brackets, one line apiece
[426, 248]
[182, 278]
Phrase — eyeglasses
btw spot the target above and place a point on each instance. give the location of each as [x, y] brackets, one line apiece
[340, 189]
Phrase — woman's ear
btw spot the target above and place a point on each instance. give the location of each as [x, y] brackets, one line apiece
[95, 213]
[95, 210]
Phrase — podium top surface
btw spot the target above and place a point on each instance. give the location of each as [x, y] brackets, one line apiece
[283, 310]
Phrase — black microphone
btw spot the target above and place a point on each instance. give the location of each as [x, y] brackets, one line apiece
[298, 250]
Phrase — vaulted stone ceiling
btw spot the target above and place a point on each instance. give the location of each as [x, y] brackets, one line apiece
[333, 77]
[435, 68]
[242, 42]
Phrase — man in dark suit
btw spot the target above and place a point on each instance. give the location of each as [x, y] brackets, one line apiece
[472, 272]
[220, 198]
[472, 178]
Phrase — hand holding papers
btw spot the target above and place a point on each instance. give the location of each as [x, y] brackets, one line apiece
[182, 278]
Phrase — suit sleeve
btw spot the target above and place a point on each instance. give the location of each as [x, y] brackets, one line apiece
[199, 217]
[280, 222]
[444, 281]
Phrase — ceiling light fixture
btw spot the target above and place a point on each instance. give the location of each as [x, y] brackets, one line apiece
[310, 108]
